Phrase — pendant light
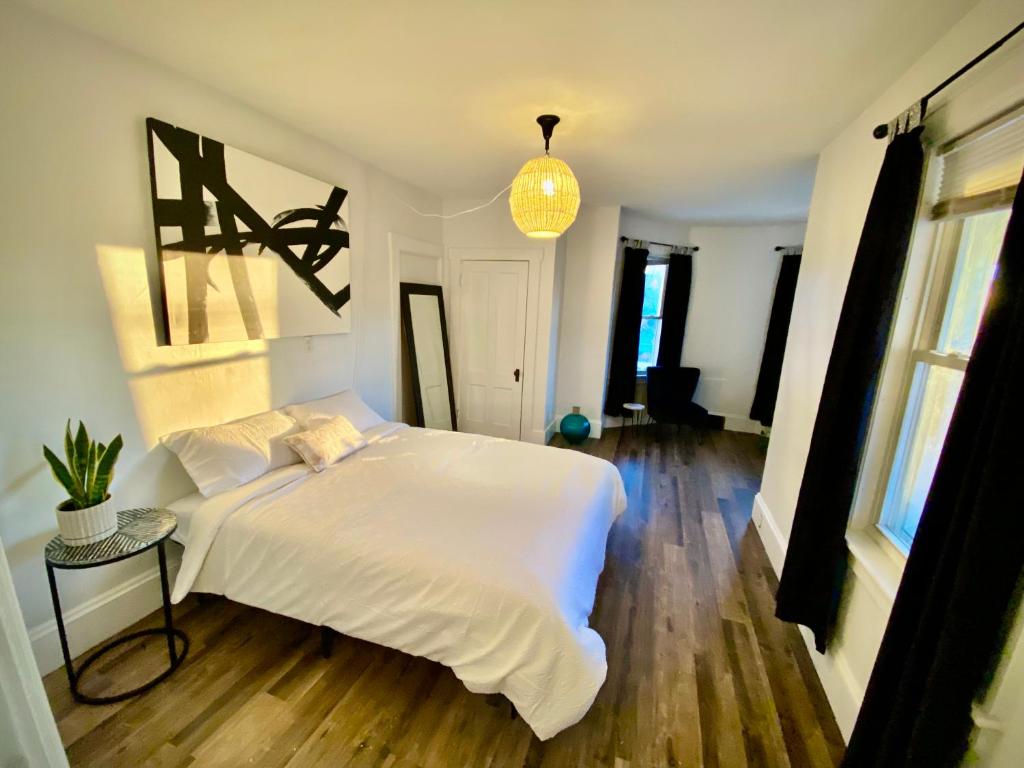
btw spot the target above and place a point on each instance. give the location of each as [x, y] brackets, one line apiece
[545, 195]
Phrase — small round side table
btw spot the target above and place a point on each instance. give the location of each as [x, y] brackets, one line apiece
[138, 530]
[636, 415]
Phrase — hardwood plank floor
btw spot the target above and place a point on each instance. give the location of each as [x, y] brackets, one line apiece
[700, 673]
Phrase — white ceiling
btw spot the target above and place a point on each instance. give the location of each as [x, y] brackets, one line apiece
[690, 109]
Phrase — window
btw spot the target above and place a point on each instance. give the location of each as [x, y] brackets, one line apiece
[978, 176]
[969, 248]
[650, 323]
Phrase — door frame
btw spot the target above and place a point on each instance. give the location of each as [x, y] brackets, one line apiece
[32, 719]
[531, 364]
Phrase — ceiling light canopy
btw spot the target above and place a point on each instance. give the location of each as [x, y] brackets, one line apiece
[545, 195]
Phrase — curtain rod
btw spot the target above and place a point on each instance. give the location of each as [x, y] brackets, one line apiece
[881, 131]
[641, 243]
[793, 248]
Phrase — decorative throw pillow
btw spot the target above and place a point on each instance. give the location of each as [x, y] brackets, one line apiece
[225, 456]
[348, 404]
[330, 441]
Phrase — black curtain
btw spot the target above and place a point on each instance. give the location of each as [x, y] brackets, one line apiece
[816, 559]
[626, 342]
[952, 611]
[674, 308]
[763, 407]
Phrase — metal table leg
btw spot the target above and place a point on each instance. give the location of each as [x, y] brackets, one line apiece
[172, 654]
[167, 630]
[59, 616]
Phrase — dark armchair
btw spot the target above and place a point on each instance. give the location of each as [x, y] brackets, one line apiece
[670, 396]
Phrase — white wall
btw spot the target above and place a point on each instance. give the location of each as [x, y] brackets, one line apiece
[592, 246]
[846, 175]
[554, 338]
[637, 226]
[734, 275]
[76, 303]
[490, 233]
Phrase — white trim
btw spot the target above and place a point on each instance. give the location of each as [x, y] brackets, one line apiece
[25, 700]
[877, 563]
[842, 690]
[610, 422]
[538, 436]
[397, 245]
[740, 424]
[99, 617]
[772, 538]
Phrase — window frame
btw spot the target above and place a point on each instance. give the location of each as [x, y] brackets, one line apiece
[928, 328]
[920, 311]
[654, 261]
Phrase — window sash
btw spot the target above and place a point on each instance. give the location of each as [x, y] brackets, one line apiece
[952, 360]
[922, 353]
[642, 370]
[661, 292]
[925, 355]
[658, 316]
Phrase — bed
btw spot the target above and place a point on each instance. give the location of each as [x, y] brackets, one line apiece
[480, 553]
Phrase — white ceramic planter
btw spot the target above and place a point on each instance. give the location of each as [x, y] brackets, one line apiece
[87, 526]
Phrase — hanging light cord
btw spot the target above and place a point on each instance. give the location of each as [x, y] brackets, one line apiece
[418, 212]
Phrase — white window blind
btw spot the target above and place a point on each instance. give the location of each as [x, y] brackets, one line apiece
[982, 169]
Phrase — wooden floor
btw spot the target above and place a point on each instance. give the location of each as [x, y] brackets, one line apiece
[699, 671]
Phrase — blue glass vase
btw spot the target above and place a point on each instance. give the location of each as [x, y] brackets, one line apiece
[575, 427]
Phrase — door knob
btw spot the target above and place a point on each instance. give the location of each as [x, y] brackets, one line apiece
[516, 374]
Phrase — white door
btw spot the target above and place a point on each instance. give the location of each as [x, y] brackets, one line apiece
[492, 332]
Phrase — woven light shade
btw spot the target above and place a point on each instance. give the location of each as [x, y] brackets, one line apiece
[545, 197]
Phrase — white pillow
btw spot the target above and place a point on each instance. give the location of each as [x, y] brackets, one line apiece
[227, 455]
[327, 443]
[347, 404]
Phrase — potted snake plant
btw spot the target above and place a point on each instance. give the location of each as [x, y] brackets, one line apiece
[87, 515]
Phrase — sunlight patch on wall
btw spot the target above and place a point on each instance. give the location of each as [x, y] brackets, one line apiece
[183, 386]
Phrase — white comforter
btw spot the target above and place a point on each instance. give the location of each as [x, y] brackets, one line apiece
[480, 553]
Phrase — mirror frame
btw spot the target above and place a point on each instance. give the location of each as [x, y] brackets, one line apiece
[422, 289]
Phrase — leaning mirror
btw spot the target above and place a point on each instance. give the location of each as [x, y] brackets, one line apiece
[430, 365]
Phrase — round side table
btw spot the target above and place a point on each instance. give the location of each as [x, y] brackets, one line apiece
[138, 530]
[636, 414]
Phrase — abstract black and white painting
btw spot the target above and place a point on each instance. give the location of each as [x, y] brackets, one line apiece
[248, 249]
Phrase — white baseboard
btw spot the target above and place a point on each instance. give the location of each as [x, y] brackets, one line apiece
[610, 422]
[537, 436]
[772, 538]
[99, 617]
[735, 423]
[844, 692]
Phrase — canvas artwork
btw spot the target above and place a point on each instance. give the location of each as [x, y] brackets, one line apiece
[248, 249]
